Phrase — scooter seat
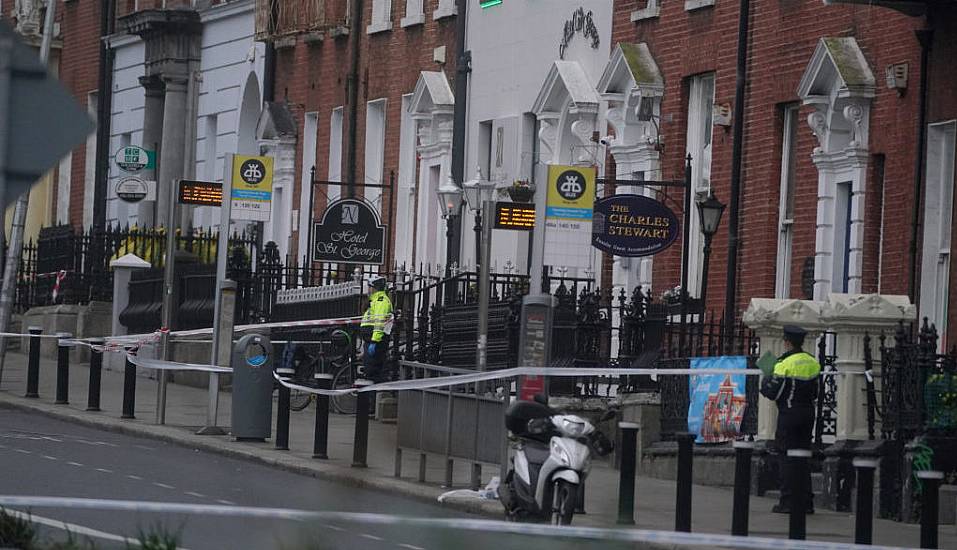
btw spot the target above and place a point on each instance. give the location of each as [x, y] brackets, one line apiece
[536, 452]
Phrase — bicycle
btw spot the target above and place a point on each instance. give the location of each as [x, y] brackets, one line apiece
[306, 364]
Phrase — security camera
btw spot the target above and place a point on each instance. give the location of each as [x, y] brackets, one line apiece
[606, 140]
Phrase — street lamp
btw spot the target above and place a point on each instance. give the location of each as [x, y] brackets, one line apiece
[478, 190]
[710, 210]
[450, 202]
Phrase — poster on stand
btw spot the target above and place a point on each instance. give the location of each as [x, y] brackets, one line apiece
[717, 402]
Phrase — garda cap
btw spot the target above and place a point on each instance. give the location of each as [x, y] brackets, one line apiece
[794, 333]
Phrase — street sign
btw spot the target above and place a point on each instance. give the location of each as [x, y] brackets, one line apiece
[350, 232]
[568, 216]
[202, 193]
[133, 158]
[135, 189]
[515, 216]
[42, 119]
[252, 188]
[633, 226]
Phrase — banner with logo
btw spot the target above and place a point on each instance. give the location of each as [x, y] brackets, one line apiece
[252, 188]
[717, 402]
[568, 215]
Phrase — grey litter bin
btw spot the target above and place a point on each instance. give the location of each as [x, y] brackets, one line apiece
[252, 388]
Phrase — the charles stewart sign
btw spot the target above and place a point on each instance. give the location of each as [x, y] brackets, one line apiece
[633, 225]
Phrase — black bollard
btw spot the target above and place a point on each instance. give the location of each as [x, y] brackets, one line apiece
[864, 510]
[929, 507]
[741, 508]
[129, 390]
[33, 366]
[62, 369]
[797, 520]
[96, 368]
[320, 439]
[685, 472]
[282, 412]
[626, 472]
[360, 447]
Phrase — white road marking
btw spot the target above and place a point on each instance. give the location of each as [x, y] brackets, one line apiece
[77, 464]
[72, 527]
[226, 502]
[24, 451]
[48, 457]
[163, 485]
[104, 470]
[333, 527]
[411, 547]
[195, 494]
[3, 446]
[371, 537]
[131, 476]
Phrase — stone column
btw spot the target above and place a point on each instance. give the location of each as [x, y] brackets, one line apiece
[850, 317]
[172, 150]
[767, 317]
[123, 269]
[152, 135]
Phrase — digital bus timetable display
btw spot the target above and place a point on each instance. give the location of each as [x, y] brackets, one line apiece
[202, 193]
[515, 216]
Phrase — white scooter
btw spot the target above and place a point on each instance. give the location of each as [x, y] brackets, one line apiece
[552, 459]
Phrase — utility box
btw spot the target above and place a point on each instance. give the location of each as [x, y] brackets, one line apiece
[535, 343]
[252, 364]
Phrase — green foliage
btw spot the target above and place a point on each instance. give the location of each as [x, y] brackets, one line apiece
[16, 532]
[157, 537]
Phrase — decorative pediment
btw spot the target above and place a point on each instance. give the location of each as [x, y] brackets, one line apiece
[276, 122]
[633, 86]
[869, 309]
[631, 69]
[566, 84]
[432, 95]
[837, 69]
[765, 313]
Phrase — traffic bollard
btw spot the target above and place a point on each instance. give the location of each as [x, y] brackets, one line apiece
[864, 510]
[683, 492]
[96, 371]
[740, 510]
[626, 472]
[930, 506]
[282, 412]
[360, 447]
[320, 437]
[129, 390]
[797, 519]
[33, 366]
[62, 369]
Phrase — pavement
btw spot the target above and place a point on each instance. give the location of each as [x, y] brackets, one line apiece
[186, 412]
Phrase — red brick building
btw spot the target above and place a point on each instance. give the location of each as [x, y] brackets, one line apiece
[397, 41]
[823, 123]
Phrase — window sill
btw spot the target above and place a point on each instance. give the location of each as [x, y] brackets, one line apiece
[651, 12]
[691, 5]
[412, 20]
[443, 11]
[379, 26]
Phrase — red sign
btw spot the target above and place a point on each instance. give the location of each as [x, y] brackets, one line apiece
[530, 386]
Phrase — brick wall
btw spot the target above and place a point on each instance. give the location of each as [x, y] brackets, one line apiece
[313, 77]
[79, 66]
[782, 39]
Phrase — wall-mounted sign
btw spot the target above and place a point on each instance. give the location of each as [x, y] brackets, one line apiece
[133, 159]
[633, 225]
[568, 212]
[350, 232]
[202, 193]
[252, 188]
[581, 22]
[514, 215]
[135, 189]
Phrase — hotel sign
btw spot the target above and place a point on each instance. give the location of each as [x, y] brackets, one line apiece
[633, 226]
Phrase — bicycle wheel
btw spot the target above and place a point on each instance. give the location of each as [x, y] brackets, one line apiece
[298, 399]
[344, 379]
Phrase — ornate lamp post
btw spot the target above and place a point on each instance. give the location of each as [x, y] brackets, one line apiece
[478, 190]
[450, 202]
[710, 210]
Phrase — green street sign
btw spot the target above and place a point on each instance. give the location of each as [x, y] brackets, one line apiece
[133, 158]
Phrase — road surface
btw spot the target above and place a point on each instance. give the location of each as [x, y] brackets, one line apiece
[41, 456]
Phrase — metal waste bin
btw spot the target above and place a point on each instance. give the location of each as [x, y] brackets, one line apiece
[252, 388]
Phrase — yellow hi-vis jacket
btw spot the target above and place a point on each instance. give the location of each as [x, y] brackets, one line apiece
[794, 380]
[377, 320]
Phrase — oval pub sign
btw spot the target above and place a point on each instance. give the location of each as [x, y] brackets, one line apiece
[633, 226]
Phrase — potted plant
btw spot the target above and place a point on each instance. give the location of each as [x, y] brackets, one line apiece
[521, 191]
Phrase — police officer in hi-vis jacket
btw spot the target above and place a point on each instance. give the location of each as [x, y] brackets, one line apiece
[793, 385]
[375, 329]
